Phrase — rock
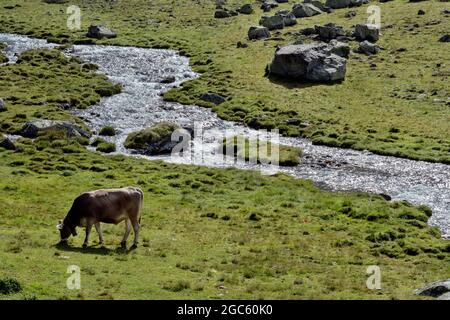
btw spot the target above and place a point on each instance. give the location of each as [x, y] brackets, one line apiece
[340, 48]
[272, 23]
[446, 11]
[169, 79]
[318, 4]
[302, 10]
[241, 45]
[314, 62]
[213, 98]
[256, 33]
[445, 38]
[338, 4]
[434, 289]
[100, 32]
[34, 128]
[2, 105]
[420, 12]
[329, 31]
[288, 18]
[350, 14]
[157, 139]
[368, 48]
[222, 13]
[269, 5]
[308, 31]
[445, 296]
[246, 9]
[369, 32]
[6, 143]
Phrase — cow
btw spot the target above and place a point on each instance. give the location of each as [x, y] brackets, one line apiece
[108, 206]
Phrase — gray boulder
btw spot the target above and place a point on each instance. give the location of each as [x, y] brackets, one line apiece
[34, 128]
[369, 32]
[435, 289]
[338, 4]
[268, 5]
[318, 4]
[256, 33]
[272, 23]
[368, 48]
[329, 31]
[445, 38]
[313, 62]
[302, 10]
[288, 18]
[341, 49]
[100, 32]
[6, 143]
[246, 9]
[223, 13]
[212, 98]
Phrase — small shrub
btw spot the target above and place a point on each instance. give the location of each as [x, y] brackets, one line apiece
[107, 131]
[106, 147]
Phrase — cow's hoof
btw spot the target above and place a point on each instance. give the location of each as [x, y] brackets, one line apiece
[134, 246]
[85, 245]
[123, 245]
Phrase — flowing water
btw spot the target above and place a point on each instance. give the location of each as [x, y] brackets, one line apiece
[141, 72]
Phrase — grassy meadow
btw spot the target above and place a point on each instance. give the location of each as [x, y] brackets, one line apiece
[220, 233]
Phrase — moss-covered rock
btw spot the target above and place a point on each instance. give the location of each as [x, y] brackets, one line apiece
[154, 140]
[261, 152]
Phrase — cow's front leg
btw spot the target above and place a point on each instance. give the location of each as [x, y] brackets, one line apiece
[100, 233]
[88, 232]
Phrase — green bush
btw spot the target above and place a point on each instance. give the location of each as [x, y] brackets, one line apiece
[107, 131]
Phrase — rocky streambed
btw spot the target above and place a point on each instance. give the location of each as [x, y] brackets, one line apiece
[144, 73]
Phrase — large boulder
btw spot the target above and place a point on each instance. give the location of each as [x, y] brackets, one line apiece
[435, 289]
[100, 32]
[224, 13]
[256, 33]
[160, 138]
[338, 4]
[302, 10]
[313, 62]
[272, 23]
[445, 38]
[370, 32]
[34, 128]
[341, 49]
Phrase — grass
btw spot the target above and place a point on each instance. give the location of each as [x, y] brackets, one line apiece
[107, 131]
[206, 233]
[258, 151]
[385, 105]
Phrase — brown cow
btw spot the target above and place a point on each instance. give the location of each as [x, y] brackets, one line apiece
[107, 206]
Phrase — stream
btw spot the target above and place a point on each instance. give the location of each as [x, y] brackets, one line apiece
[142, 71]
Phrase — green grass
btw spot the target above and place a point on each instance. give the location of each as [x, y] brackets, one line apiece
[206, 233]
[375, 108]
[258, 151]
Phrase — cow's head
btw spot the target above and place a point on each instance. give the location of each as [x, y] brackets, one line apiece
[66, 231]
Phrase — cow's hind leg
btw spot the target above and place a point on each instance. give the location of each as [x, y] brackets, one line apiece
[100, 233]
[88, 232]
[127, 233]
[136, 227]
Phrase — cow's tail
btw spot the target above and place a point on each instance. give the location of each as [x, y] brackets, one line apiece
[141, 193]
